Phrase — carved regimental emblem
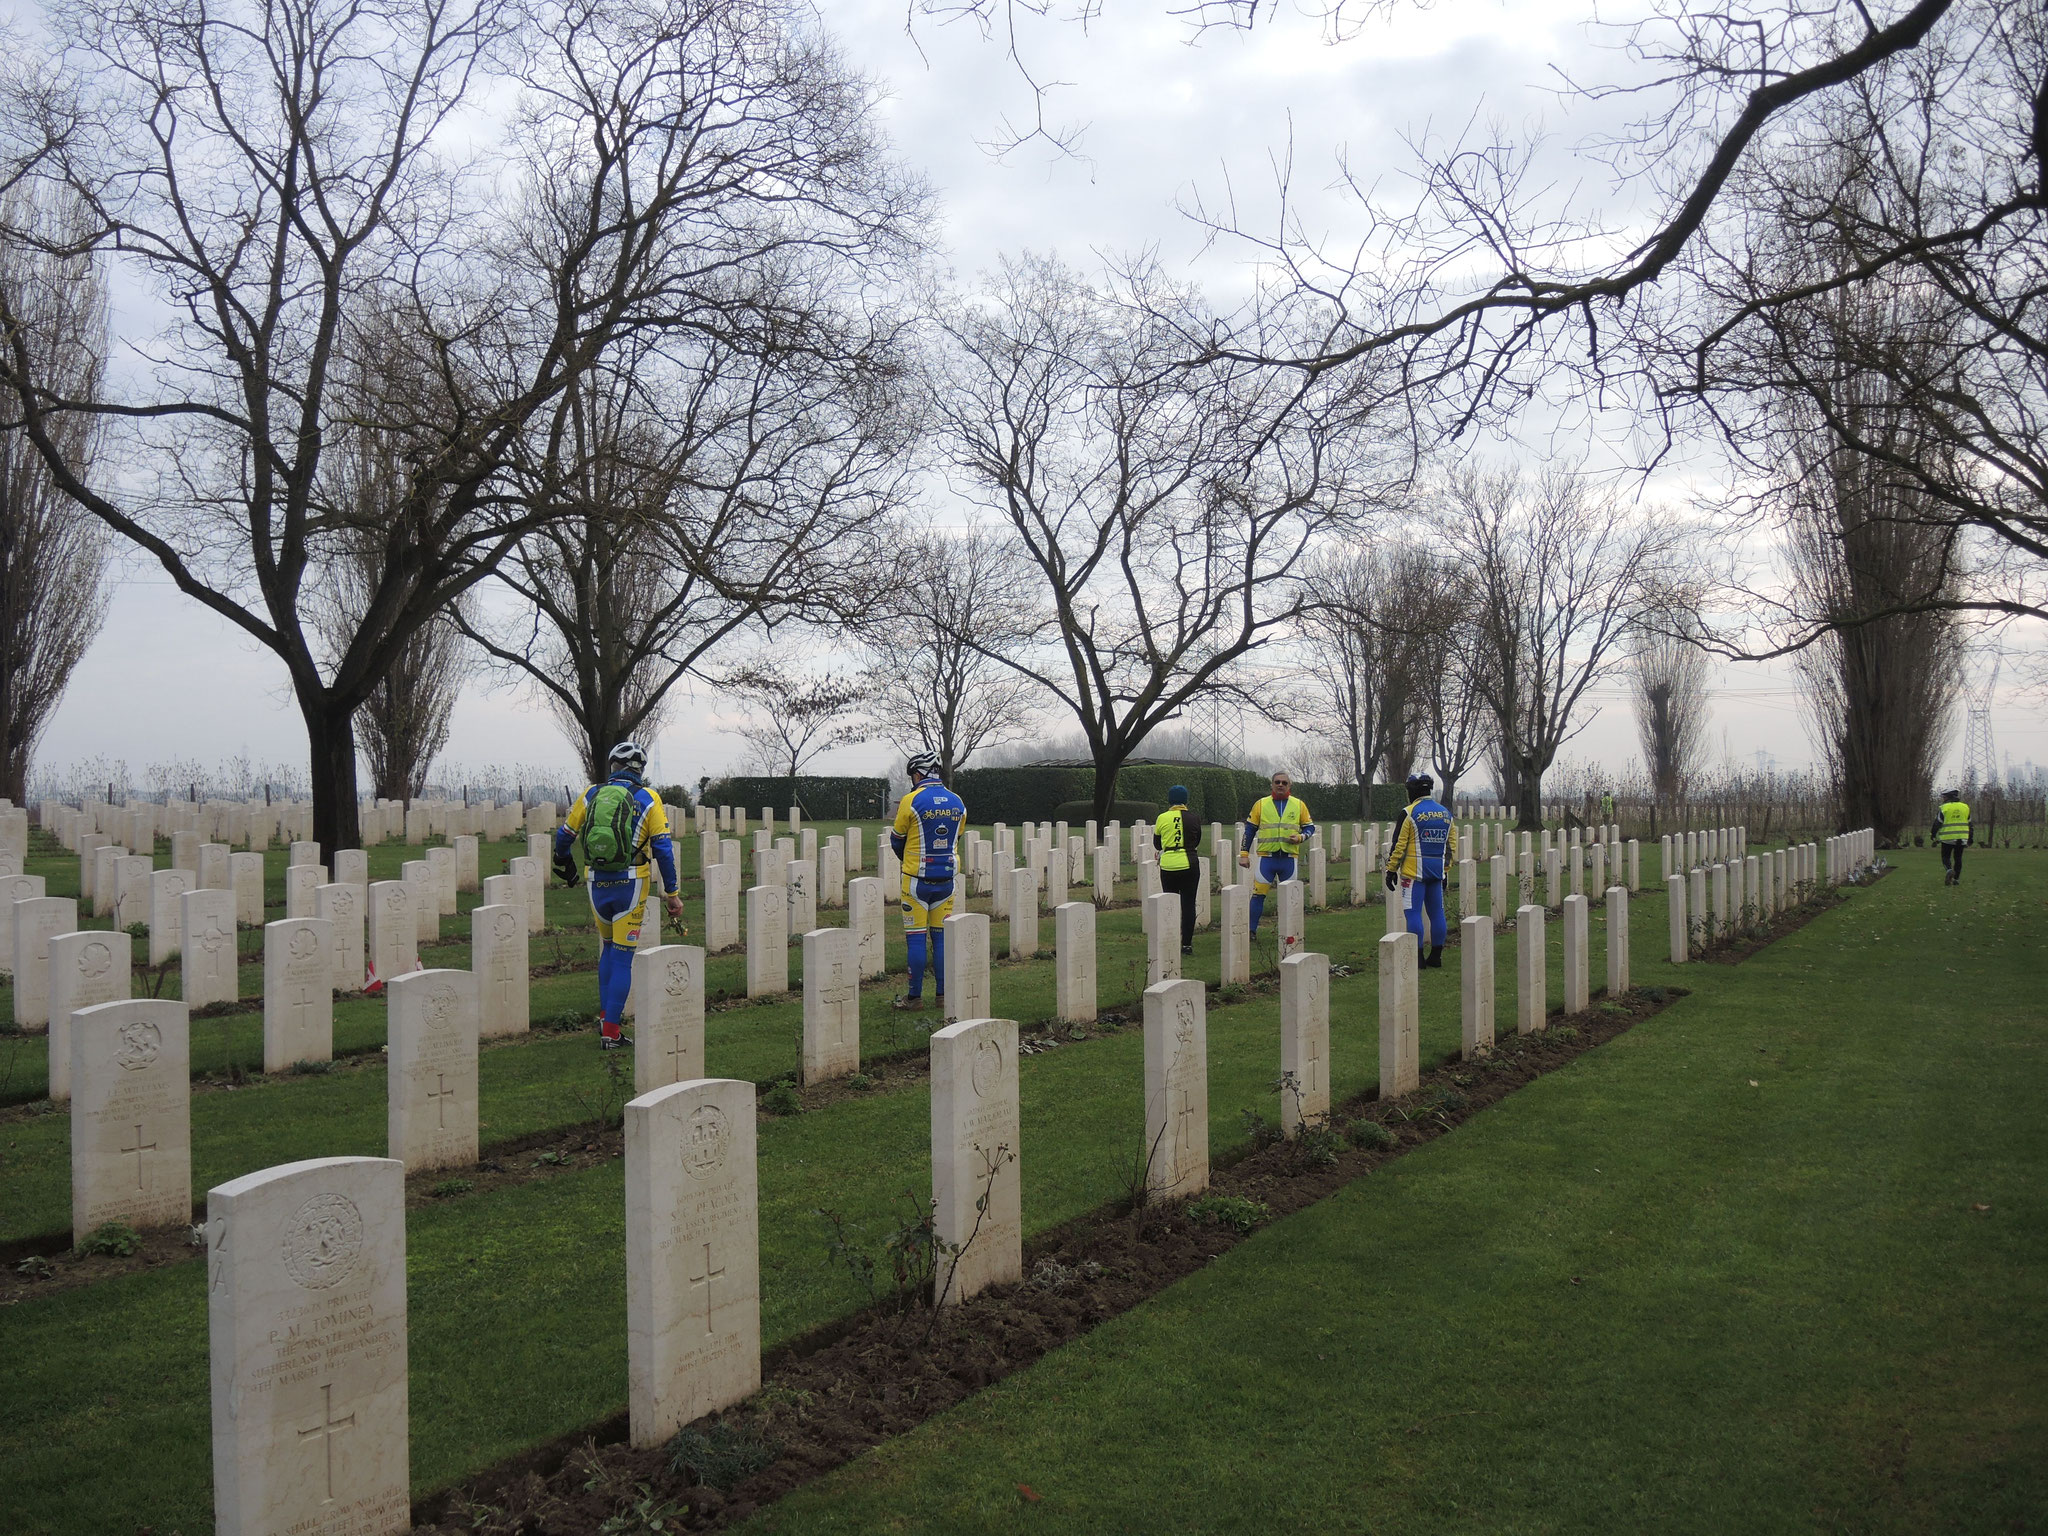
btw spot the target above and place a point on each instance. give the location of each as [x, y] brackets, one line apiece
[141, 1043]
[213, 938]
[706, 1140]
[678, 977]
[988, 1065]
[322, 1241]
[302, 945]
[440, 1007]
[95, 961]
[505, 926]
[1184, 1023]
[342, 903]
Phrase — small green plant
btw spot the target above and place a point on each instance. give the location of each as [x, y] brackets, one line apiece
[1370, 1135]
[647, 1515]
[860, 1082]
[1450, 1102]
[448, 1189]
[552, 1158]
[720, 1455]
[35, 1267]
[114, 1239]
[311, 1068]
[1317, 1145]
[1565, 1032]
[1236, 1212]
[1258, 1130]
[782, 1100]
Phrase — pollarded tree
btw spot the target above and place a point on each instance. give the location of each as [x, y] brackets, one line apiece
[1165, 511]
[1668, 677]
[291, 181]
[52, 554]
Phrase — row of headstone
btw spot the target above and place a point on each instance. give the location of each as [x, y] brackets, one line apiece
[1707, 904]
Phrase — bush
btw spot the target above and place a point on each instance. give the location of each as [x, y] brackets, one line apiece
[1232, 1211]
[782, 1100]
[1370, 1135]
[820, 797]
[115, 1239]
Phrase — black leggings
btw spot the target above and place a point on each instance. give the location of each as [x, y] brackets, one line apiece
[1183, 883]
[1952, 857]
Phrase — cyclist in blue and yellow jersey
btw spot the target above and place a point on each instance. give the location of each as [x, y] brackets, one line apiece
[1424, 845]
[1276, 828]
[926, 833]
[1952, 832]
[622, 829]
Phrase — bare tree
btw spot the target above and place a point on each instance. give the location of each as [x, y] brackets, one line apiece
[1561, 575]
[1668, 676]
[52, 555]
[1362, 642]
[703, 487]
[292, 182]
[1166, 511]
[795, 715]
[1448, 635]
[936, 683]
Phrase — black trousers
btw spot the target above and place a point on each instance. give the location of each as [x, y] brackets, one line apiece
[1184, 883]
[1952, 857]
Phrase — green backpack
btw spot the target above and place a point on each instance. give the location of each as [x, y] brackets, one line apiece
[609, 829]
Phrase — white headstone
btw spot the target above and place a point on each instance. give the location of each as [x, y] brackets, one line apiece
[1304, 1040]
[210, 960]
[668, 1035]
[300, 882]
[1176, 1090]
[1681, 928]
[131, 1115]
[864, 905]
[1023, 914]
[1532, 972]
[1577, 954]
[498, 960]
[693, 1254]
[1617, 941]
[342, 908]
[298, 992]
[1293, 931]
[431, 1119]
[1074, 984]
[722, 906]
[831, 1043]
[245, 875]
[967, 965]
[800, 886]
[1236, 934]
[977, 1190]
[352, 867]
[1400, 1016]
[1162, 938]
[213, 867]
[15, 888]
[532, 874]
[134, 887]
[86, 969]
[393, 931]
[767, 941]
[306, 1295]
[1475, 985]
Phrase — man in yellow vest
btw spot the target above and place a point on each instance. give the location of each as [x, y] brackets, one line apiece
[1952, 832]
[1178, 870]
[1276, 828]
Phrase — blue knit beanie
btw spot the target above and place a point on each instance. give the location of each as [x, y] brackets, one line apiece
[1178, 795]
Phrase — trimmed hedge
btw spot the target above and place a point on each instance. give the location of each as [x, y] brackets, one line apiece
[1075, 813]
[1339, 802]
[1030, 793]
[821, 797]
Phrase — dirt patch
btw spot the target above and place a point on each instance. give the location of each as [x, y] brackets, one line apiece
[847, 1387]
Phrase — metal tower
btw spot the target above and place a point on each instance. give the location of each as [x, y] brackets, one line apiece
[1216, 729]
[1980, 759]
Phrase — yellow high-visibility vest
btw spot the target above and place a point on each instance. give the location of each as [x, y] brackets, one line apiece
[1275, 825]
[1955, 822]
[1172, 831]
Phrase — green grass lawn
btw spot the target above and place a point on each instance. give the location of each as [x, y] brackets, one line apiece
[1772, 1261]
[525, 1285]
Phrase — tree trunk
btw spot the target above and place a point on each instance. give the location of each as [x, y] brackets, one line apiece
[1106, 770]
[1529, 800]
[331, 751]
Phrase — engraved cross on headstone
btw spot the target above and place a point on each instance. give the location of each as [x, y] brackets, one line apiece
[1314, 1064]
[328, 1427]
[675, 1053]
[442, 1094]
[1183, 1131]
[705, 1280]
[138, 1149]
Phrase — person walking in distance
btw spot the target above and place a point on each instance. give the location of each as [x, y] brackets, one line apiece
[621, 827]
[1952, 832]
[1424, 844]
[1274, 831]
[925, 836]
[1178, 870]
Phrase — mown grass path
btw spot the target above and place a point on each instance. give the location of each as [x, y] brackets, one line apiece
[1775, 1260]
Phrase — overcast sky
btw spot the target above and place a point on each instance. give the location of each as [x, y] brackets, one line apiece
[1165, 121]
